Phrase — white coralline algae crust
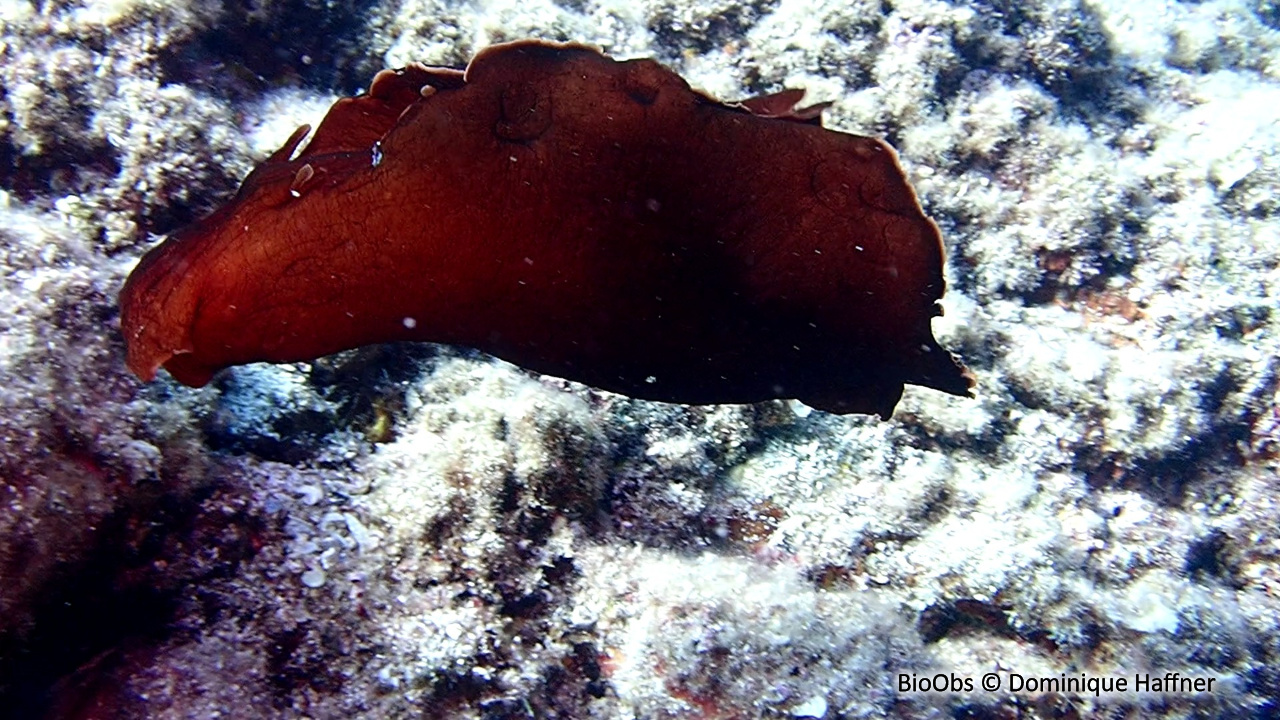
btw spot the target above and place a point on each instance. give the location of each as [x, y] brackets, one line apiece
[425, 532]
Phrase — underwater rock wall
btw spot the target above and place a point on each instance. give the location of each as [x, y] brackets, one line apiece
[417, 531]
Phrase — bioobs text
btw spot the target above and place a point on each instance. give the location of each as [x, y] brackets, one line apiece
[940, 683]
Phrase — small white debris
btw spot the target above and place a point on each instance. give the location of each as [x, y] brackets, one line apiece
[358, 531]
[410, 323]
[799, 409]
[313, 578]
[814, 707]
[1148, 607]
[310, 494]
[386, 679]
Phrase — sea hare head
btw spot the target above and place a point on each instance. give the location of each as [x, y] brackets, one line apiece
[197, 303]
[158, 304]
[246, 283]
[581, 217]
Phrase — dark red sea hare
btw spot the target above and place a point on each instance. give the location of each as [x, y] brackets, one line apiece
[581, 217]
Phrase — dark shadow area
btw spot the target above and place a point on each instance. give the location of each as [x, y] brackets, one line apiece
[114, 602]
[360, 390]
[310, 43]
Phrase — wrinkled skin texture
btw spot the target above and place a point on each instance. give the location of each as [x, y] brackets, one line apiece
[591, 219]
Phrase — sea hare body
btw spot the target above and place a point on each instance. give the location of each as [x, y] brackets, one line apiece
[581, 217]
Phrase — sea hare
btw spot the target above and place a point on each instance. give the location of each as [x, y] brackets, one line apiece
[581, 217]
